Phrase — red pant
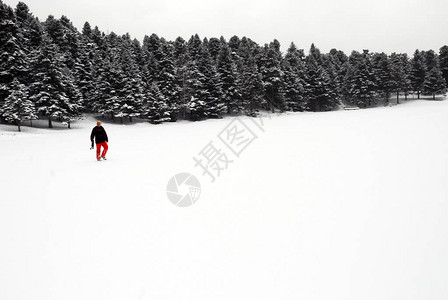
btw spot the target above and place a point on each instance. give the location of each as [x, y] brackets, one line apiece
[98, 150]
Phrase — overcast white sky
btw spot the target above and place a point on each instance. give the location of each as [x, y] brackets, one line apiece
[377, 25]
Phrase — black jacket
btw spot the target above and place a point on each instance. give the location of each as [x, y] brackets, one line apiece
[99, 134]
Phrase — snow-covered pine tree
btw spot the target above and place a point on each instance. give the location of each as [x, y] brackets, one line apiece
[180, 52]
[87, 30]
[234, 44]
[214, 48]
[212, 84]
[102, 87]
[417, 72]
[399, 71]
[359, 83]
[196, 91]
[151, 44]
[138, 55]
[109, 79]
[74, 103]
[228, 76]
[434, 83]
[83, 71]
[272, 74]
[246, 51]
[193, 46]
[71, 41]
[315, 53]
[168, 81]
[181, 59]
[98, 38]
[319, 93]
[13, 62]
[339, 60]
[129, 85]
[293, 69]
[154, 107]
[253, 89]
[443, 62]
[52, 89]
[53, 27]
[30, 27]
[382, 75]
[17, 107]
[330, 67]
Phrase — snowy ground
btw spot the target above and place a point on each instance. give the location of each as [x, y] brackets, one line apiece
[337, 205]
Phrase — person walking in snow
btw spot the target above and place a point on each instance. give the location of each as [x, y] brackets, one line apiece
[101, 140]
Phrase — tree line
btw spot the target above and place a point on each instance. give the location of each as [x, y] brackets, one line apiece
[51, 70]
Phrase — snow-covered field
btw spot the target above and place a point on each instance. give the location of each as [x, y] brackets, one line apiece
[337, 205]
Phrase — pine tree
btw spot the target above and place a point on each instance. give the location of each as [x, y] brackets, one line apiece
[55, 30]
[155, 108]
[234, 44]
[214, 48]
[272, 75]
[103, 90]
[360, 84]
[52, 90]
[293, 69]
[193, 46]
[167, 80]
[400, 81]
[253, 89]
[87, 30]
[30, 27]
[110, 80]
[13, 62]
[333, 63]
[246, 50]
[131, 85]
[339, 59]
[196, 92]
[443, 62]
[180, 52]
[211, 83]
[382, 75]
[228, 76]
[151, 44]
[434, 82]
[17, 107]
[73, 105]
[71, 42]
[83, 71]
[319, 93]
[417, 72]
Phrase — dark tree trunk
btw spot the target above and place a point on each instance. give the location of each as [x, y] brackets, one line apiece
[50, 125]
[18, 126]
[121, 120]
[68, 124]
[418, 95]
[433, 96]
[130, 119]
[398, 95]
